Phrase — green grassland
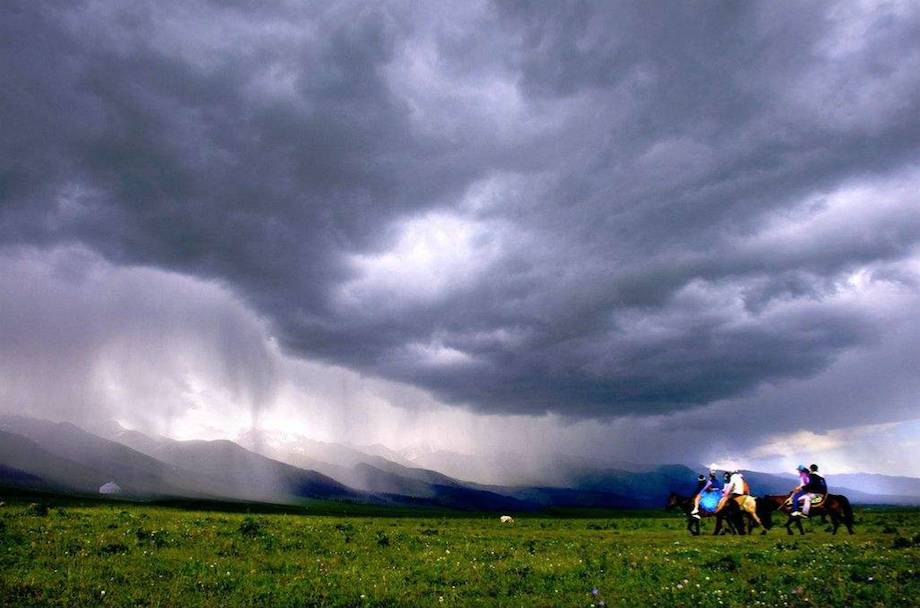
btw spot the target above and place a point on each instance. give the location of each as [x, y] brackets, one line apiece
[111, 554]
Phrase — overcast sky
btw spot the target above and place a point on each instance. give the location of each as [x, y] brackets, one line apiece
[652, 231]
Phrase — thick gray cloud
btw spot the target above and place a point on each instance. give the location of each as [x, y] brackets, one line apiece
[591, 209]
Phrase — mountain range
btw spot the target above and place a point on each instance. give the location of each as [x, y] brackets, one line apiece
[62, 457]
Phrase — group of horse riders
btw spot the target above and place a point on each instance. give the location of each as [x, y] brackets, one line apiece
[811, 486]
[733, 503]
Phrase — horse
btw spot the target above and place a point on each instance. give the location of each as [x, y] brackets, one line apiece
[731, 513]
[836, 506]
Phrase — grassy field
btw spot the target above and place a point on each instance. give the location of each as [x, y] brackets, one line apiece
[111, 554]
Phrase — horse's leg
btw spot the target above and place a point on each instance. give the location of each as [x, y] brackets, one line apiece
[835, 523]
[729, 526]
[718, 529]
[789, 525]
[767, 522]
[798, 521]
[735, 521]
[753, 518]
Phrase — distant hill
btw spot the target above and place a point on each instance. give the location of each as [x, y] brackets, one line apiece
[244, 473]
[377, 475]
[25, 464]
[100, 460]
[72, 458]
[874, 483]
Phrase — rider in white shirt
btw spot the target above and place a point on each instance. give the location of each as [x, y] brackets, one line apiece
[734, 487]
[735, 484]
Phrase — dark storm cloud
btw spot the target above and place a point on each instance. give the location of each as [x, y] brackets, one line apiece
[585, 208]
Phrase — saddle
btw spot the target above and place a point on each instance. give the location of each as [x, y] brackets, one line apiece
[817, 500]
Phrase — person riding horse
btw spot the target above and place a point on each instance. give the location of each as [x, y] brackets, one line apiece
[702, 485]
[731, 515]
[816, 500]
[738, 491]
[811, 486]
[735, 486]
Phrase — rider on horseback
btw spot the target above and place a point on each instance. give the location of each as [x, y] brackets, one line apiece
[816, 488]
[805, 490]
[702, 485]
[817, 483]
[735, 486]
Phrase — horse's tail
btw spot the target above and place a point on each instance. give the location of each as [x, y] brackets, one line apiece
[847, 509]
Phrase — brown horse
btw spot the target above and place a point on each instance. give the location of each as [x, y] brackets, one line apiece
[731, 514]
[836, 506]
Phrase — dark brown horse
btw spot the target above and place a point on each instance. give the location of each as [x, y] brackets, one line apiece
[835, 506]
[731, 514]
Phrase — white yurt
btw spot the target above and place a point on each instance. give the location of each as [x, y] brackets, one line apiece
[110, 488]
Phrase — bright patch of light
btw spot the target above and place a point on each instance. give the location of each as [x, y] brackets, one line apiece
[800, 442]
[434, 255]
[438, 355]
[860, 279]
[726, 465]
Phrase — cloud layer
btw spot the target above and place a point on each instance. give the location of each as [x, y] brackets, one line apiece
[591, 210]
